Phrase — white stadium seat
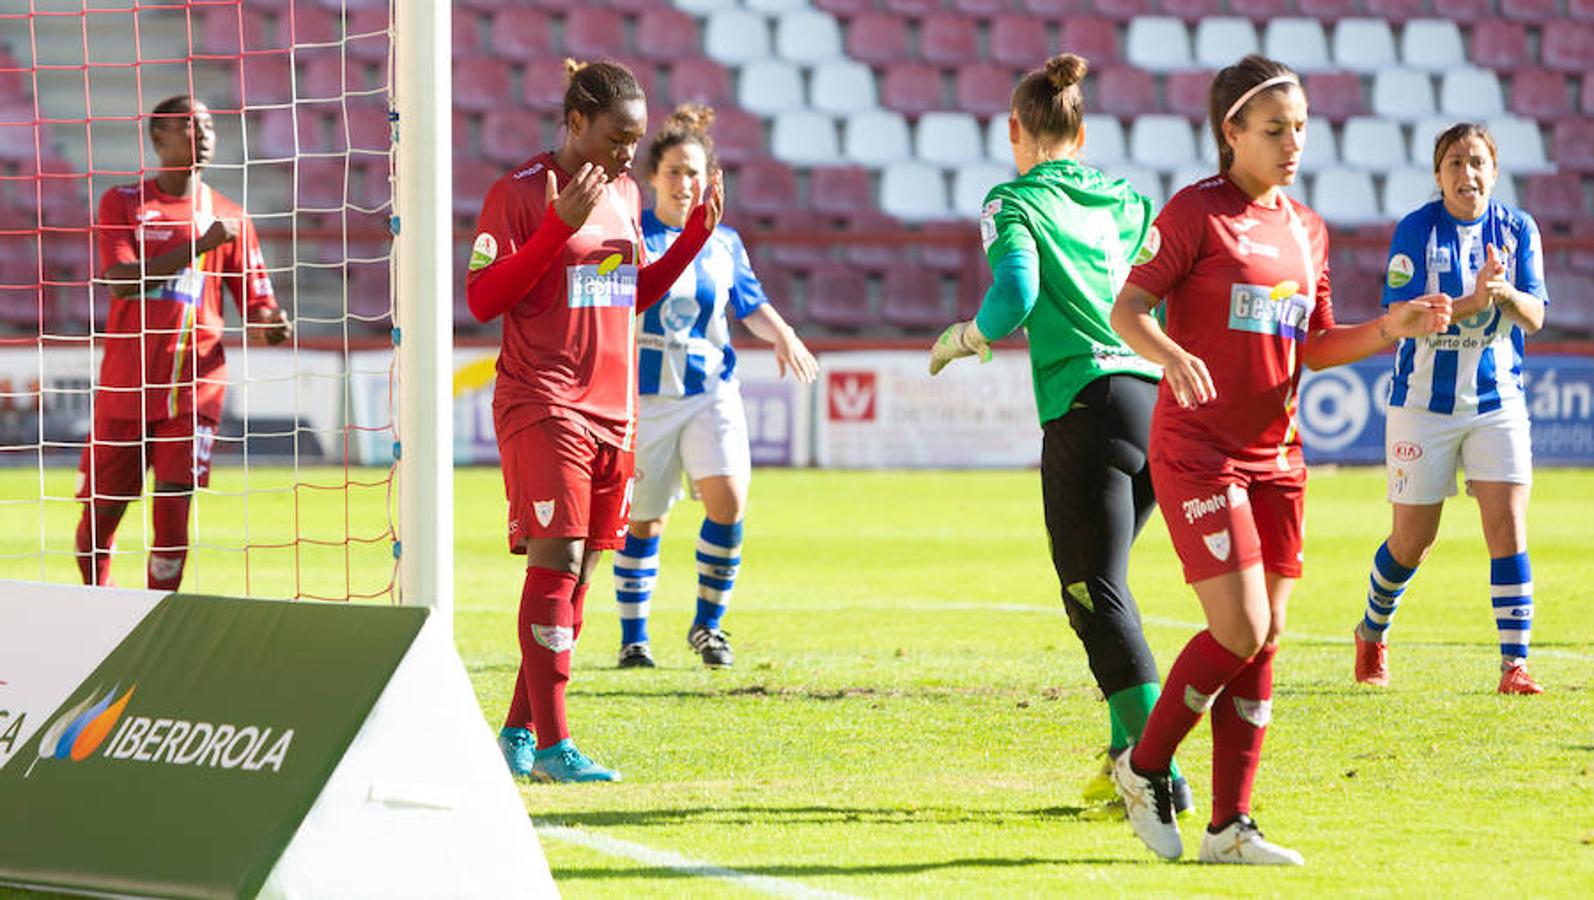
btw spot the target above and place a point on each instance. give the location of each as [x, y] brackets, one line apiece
[1364, 45]
[770, 6]
[948, 139]
[1158, 44]
[1220, 40]
[1190, 174]
[1423, 134]
[736, 36]
[1321, 148]
[876, 138]
[1433, 45]
[1521, 145]
[704, 7]
[842, 87]
[913, 191]
[804, 137]
[1146, 181]
[972, 182]
[1104, 141]
[1505, 190]
[1471, 93]
[1298, 43]
[1404, 95]
[1373, 144]
[770, 86]
[1162, 141]
[808, 36]
[1406, 189]
[997, 147]
[1345, 197]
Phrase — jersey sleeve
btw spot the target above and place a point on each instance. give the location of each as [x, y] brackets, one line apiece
[507, 220]
[247, 279]
[747, 293]
[114, 230]
[1171, 247]
[1004, 225]
[1406, 274]
[1323, 310]
[1530, 259]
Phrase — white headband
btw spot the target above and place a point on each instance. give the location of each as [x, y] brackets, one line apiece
[1275, 80]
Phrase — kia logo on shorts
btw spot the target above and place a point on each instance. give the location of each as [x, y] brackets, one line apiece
[1406, 451]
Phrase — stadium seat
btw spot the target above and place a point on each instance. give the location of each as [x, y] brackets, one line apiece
[593, 33]
[912, 88]
[1505, 189]
[804, 137]
[1335, 96]
[1345, 197]
[1158, 44]
[1555, 199]
[1470, 93]
[765, 187]
[1186, 93]
[840, 190]
[472, 179]
[807, 36]
[948, 139]
[1104, 142]
[984, 9]
[1573, 144]
[321, 76]
[878, 39]
[911, 298]
[1521, 145]
[1364, 45]
[1397, 10]
[1123, 10]
[843, 8]
[999, 150]
[793, 253]
[1094, 38]
[947, 40]
[1423, 134]
[367, 124]
[837, 297]
[866, 248]
[738, 135]
[1162, 141]
[1404, 95]
[542, 86]
[1054, 8]
[1300, 43]
[1142, 179]
[913, 192]
[983, 89]
[665, 35]
[842, 87]
[1016, 41]
[1327, 11]
[1126, 91]
[482, 84]
[876, 137]
[1568, 47]
[1432, 45]
[970, 184]
[1501, 46]
[1192, 10]
[1406, 189]
[775, 6]
[1534, 11]
[267, 78]
[217, 31]
[699, 80]
[1191, 173]
[1580, 10]
[1373, 144]
[1221, 40]
[734, 36]
[915, 8]
[1321, 147]
[520, 34]
[770, 86]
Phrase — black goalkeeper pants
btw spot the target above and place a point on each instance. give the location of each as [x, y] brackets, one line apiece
[1096, 486]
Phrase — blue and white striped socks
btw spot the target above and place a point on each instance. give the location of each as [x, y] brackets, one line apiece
[1511, 589]
[719, 557]
[1385, 584]
[636, 571]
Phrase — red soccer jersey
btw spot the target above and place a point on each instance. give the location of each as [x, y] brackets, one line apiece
[570, 349]
[1243, 285]
[163, 352]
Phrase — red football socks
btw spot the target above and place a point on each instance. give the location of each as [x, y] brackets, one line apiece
[519, 715]
[1200, 672]
[547, 634]
[170, 551]
[1239, 723]
[96, 535]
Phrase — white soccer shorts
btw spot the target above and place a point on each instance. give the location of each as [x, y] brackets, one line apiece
[700, 436]
[1424, 450]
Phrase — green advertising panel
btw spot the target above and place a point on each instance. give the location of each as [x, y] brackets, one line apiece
[185, 763]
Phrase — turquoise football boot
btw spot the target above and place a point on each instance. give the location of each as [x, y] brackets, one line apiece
[564, 763]
[520, 751]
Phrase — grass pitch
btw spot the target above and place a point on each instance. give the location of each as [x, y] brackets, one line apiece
[910, 714]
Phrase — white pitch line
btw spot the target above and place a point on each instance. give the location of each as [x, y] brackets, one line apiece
[669, 859]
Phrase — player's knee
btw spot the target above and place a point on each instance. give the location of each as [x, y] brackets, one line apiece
[557, 554]
[1243, 639]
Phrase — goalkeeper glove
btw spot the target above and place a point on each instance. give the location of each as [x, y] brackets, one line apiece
[958, 340]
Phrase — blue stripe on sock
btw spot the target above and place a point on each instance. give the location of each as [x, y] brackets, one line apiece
[708, 613]
[1515, 651]
[1389, 568]
[1510, 569]
[620, 572]
[721, 534]
[1504, 602]
[640, 548]
[713, 560]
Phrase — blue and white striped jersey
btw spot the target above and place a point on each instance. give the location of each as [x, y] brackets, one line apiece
[685, 344]
[1476, 365]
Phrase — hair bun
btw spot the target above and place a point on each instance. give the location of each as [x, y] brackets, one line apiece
[693, 117]
[573, 66]
[1066, 70]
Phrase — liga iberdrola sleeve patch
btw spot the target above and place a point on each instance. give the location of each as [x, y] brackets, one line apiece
[483, 252]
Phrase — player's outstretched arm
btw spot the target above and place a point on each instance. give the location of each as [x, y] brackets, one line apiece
[1015, 287]
[1341, 344]
[790, 351]
[1183, 372]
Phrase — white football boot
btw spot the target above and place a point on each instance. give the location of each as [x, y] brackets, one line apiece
[1148, 803]
[1241, 843]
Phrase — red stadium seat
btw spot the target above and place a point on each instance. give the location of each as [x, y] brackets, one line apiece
[1093, 38]
[837, 297]
[1502, 45]
[323, 76]
[1123, 10]
[1187, 93]
[840, 190]
[594, 33]
[878, 39]
[1191, 10]
[947, 39]
[915, 8]
[521, 34]
[702, 81]
[267, 79]
[1568, 47]
[373, 23]
[319, 183]
[1125, 91]
[308, 25]
[1016, 41]
[1398, 11]
[983, 9]
[911, 298]
[793, 253]
[1556, 199]
[984, 89]
[367, 124]
[1572, 144]
[875, 255]
[765, 188]
[646, 74]
[1260, 10]
[912, 88]
[467, 36]
[511, 135]
[543, 86]
[482, 84]
[472, 179]
[738, 135]
[1336, 95]
[218, 31]
[1328, 11]
[936, 253]
[846, 8]
[1542, 95]
[665, 35]
[1537, 11]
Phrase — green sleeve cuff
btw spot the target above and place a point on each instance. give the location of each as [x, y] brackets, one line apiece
[1017, 284]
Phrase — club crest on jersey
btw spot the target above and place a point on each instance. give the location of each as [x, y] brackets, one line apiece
[609, 283]
[679, 313]
[1148, 249]
[1438, 259]
[1261, 310]
[1401, 269]
[483, 252]
[1218, 544]
[544, 511]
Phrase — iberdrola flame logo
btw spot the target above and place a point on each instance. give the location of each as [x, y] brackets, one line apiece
[80, 730]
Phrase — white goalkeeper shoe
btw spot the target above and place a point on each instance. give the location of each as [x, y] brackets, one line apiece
[1148, 803]
[1241, 843]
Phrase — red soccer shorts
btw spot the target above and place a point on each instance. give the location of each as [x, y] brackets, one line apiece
[1225, 516]
[564, 483]
[112, 466]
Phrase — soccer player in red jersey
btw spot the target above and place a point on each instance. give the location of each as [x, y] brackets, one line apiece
[1243, 269]
[167, 246]
[559, 254]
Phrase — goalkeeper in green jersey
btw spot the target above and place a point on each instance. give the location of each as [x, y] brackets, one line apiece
[1060, 239]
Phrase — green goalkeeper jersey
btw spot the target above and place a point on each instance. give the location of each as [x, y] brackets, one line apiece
[1082, 231]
